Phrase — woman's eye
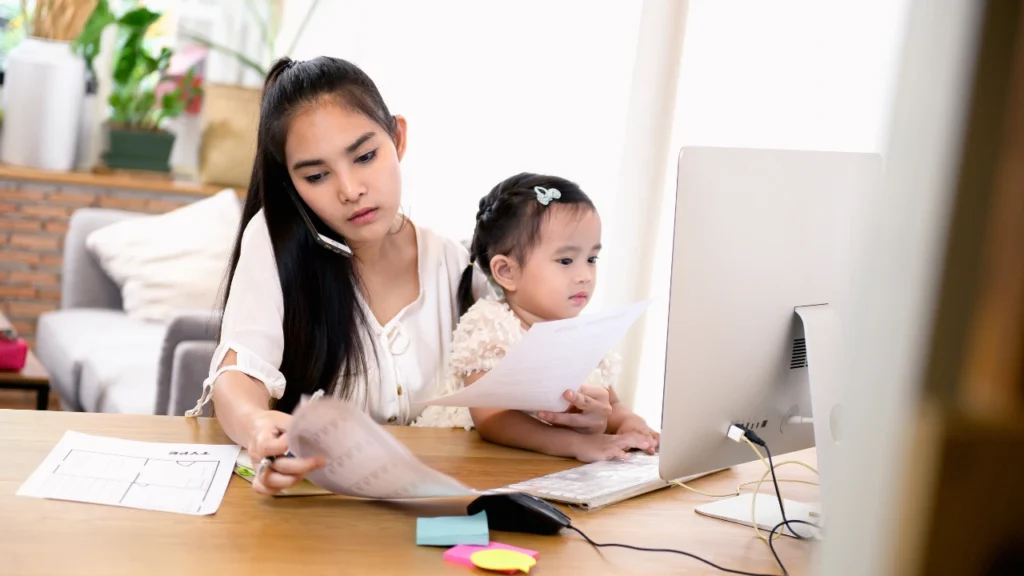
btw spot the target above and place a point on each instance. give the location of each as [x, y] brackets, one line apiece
[592, 259]
[315, 178]
[366, 157]
[565, 261]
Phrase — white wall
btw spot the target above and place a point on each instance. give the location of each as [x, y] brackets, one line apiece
[489, 90]
[792, 74]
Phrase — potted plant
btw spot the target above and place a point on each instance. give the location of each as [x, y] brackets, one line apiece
[139, 106]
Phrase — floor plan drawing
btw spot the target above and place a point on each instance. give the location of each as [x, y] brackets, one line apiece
[151, 476]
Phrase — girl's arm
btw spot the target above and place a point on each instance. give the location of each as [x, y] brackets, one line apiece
[519, 430]
[624, 421]
[619, 413]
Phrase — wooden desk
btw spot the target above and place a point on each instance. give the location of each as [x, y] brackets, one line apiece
[33, 376]
[253, 534]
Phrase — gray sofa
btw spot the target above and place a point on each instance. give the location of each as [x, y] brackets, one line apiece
[99, 359]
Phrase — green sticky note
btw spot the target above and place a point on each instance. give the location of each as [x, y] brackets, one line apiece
[453, 530]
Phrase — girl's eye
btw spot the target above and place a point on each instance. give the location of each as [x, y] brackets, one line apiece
[315, 178]
[592, 259]
[565, 261]
[365, 158]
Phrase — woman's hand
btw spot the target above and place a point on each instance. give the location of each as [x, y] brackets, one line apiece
[269, 439]
[588, 414]
[597, 447]
[636, 425]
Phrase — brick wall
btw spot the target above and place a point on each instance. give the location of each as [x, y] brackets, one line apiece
[33, 221]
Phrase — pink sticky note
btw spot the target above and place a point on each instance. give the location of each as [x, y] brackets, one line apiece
[460, 554]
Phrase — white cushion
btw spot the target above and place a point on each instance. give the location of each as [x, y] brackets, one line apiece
[68, 339]
[173, 262]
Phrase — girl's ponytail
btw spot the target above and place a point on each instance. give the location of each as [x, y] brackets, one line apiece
[466, 299]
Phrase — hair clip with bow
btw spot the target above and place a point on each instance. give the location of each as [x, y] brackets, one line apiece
[546, 195]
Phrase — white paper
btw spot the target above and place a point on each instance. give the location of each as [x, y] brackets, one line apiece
[551, 358]
[168, 477]
[363, 459]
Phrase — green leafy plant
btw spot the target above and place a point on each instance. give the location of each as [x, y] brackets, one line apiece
[134, 102]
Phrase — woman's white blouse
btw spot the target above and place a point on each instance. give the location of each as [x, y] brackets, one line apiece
[412, 348]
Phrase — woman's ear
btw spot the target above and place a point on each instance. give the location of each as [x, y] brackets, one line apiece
[505, 272]
[401, 131]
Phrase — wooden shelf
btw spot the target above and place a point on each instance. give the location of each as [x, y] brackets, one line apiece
[123, 180]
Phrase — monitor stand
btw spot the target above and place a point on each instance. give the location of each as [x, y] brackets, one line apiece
[821, 332]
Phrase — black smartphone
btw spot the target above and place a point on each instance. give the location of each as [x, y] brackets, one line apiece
[330, 244]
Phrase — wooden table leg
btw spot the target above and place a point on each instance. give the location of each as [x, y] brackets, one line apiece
[43, 398]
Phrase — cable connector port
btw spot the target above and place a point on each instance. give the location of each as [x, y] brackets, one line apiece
[738, 431]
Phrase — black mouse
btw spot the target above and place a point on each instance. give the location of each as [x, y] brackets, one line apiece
[520, 512]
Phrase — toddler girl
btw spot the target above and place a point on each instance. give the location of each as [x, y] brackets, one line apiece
[537, 239]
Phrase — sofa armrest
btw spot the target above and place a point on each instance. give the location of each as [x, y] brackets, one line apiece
[190, 367]
[197, 326]
[83, 283]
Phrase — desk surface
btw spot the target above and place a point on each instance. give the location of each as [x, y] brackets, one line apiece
[252, 534]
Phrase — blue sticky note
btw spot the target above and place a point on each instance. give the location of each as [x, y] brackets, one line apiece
[453, 530]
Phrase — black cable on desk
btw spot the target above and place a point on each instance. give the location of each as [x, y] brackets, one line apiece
[771, 542]
[753, 437]
[666, 550]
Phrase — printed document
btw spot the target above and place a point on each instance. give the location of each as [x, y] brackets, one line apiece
[168, 477]
[363, 459]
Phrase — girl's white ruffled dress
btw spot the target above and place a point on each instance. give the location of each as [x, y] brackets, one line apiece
[486, 332]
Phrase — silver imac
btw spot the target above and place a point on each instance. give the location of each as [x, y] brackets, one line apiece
[762, 250]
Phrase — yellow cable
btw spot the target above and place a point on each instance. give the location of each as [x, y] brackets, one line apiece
[756, 451]
[753, 499]
[681, 485]
[781, 480]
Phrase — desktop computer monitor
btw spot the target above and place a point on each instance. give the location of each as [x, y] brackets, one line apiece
[762, 252]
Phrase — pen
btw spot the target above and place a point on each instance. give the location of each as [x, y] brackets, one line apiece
[268, 461]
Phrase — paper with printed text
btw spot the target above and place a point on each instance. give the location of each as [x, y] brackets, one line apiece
[363, 459]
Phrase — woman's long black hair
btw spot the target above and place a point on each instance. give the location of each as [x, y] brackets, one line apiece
[323, 320]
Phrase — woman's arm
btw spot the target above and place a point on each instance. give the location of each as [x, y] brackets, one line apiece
[237, 399]
[241, 402]
[252, 328]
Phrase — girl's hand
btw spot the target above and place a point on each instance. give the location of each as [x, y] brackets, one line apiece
[268, 438]
[597, 447]
[636, 424]
[588, 414]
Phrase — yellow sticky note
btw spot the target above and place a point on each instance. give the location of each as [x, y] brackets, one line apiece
[502, 560]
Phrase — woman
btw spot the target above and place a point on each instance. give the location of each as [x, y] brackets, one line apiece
[331, 290]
